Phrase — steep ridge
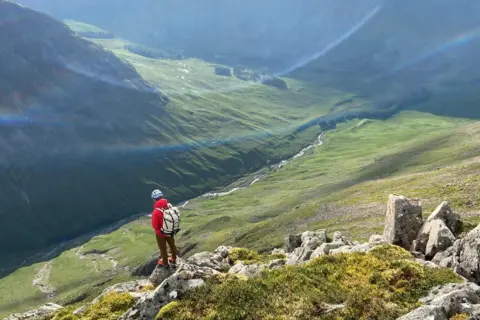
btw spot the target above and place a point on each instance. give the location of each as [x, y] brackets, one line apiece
[84, 137]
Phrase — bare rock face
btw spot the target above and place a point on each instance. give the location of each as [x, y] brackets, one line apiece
[211, 260]
[185, 278]
[248, 271]
[443, 256]
[445, 301]
[440, 238]
[441, 219]
[446, 214]
[37, 314]
[466, 256]
[313, 239]
[403, 221]
[292, 241]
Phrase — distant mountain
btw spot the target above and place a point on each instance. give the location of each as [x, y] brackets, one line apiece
[390, 51]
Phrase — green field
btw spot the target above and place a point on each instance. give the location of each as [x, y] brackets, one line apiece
[341, 185]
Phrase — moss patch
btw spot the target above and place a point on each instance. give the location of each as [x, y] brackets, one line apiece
[111, 307]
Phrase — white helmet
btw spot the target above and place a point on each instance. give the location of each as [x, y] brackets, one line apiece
[156, 194]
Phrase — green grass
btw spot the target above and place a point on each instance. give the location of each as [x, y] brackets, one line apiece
[383, 284]
[78, 26]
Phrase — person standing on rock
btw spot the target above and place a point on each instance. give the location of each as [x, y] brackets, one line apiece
[164, 236]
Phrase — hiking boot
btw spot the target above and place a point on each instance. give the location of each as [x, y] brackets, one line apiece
[161, 264]
[173, 263]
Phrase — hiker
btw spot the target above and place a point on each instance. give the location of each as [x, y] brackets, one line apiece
[164, 230]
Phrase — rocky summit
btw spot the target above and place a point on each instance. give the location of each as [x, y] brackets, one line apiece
[432, 274]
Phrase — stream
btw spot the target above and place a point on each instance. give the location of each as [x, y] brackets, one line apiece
[259, 175]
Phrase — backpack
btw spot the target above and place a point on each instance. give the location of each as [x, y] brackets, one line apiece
[171, 221]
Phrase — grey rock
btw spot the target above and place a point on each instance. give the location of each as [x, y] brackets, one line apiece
[325, 249]
[159, 275]
[131, 287]
[466, 256]
[210, 260]
[299, 255]
[425, 313]
[443, 255]
[337, 237]
[80, 311]
[223, 251]
[185, 278]
[276, 264]
[428, 264]
[403, 221]
[445, 213]
[440, 238]
[446, 263]
[37, 314]
[292, 241]
[445, 301]
[249, 271]
[376, 239]
[278, 251]
[313, 239]
[351, 249]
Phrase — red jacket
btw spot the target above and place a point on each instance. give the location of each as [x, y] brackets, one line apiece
[157, 216]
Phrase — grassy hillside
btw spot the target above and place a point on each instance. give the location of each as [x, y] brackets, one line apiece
[342, 185]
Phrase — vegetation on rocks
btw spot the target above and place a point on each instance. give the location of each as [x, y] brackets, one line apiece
[382, 284]
[110, 307]
[248, 256]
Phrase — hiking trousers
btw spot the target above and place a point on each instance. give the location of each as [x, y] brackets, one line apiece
[162, 245]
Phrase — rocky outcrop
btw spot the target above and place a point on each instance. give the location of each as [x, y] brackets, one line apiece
[466, 256]
[186, 277]
[310, 240]
[440, 238]
[210, 260]
[248, 271]
[438, 232]
[444, 302]
[37, 314]
[403, 221]
[292, 241]
[444, 258]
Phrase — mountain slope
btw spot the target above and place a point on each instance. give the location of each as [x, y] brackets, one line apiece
[84, 138]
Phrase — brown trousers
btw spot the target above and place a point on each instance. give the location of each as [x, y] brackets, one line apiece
[162, 245]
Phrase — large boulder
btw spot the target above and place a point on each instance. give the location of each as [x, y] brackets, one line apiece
[37, 314]
[403, 221]
[431, 227]
[247, 270]
[313, 239]
[292, 241]
[446, 301]
[445, 213]
[326, 248]
[185, 278]
[466, 255]
[215, 261]
[299, 255]
[440, 238]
